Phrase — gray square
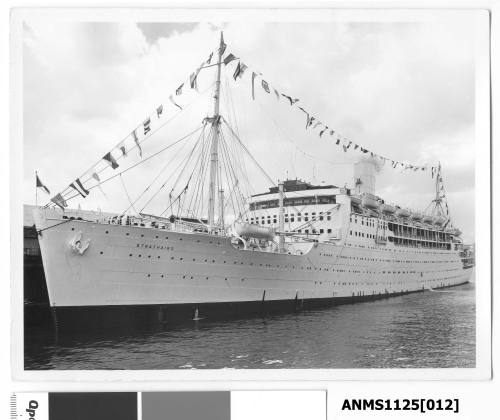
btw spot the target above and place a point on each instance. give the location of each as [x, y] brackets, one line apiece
[186, 406]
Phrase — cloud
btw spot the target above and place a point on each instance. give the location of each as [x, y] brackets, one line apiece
[403, 90]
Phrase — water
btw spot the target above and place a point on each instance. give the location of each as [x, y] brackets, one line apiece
[433, 329]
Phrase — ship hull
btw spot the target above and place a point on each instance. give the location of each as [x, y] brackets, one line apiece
[140, 274]
[140, 317]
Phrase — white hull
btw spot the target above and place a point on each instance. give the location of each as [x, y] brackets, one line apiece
[127, 265]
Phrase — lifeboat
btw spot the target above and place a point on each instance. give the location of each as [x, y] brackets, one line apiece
[247, 230]
[402, 213]
[427, 219]
[454, 231]
[387, 209]
[417, 216]
[355, 200]
[439, 220]
[370, 202]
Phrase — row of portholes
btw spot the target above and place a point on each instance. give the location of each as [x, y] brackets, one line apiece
[302, 268]
[166, 238]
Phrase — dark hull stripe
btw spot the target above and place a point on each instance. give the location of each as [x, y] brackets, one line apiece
[133, 317]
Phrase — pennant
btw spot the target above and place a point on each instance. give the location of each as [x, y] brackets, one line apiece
[209, 60]
[349, 145]
[318, 123]
[322, 131]
[178, 91]
[79, 183]
[40, 184]
[222, 47]
[159, 111]
[344, 147]
[292, 101]
[337, 142]
[108, 157]
[176, 104]
[355, 146]
[136, 140]
[59, 201]
[192, 80]
[332, 132]
[365, 151]
[83, 192]
[254, 75]
[230, 57]
[265, 86]
[96, 177]
[240, 69]
[146, 125]
[124, 151]
[277, 94]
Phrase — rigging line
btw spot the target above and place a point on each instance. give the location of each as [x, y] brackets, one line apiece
[284, 135]
[248, 153]
[206, 167]
[156, 178]
[240, 201]
[241, 164]
[233, 174]
[197, 161]
[185, 188]
[199, 182]
[128, 196]
[187, 160]
[227, 168]
[149, 136]
[163, 185]
[133, 166]
[230, 105]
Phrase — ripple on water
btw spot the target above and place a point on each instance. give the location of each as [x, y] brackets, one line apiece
[428, 329]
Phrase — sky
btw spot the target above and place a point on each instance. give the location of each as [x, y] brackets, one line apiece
[404, 90]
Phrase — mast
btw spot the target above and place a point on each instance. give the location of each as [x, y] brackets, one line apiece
[214, 149]
[281, 217]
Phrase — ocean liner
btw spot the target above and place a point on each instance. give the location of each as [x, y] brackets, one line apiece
[218, 251]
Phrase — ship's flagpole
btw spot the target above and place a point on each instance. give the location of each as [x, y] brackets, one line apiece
[214, 149]
[36, 189]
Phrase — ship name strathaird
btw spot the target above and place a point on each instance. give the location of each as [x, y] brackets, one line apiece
[153, 246]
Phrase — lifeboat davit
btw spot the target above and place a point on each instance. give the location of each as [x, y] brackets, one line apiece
[417, 216]
[403, 213]
[387, 209]
[427, 219]
[370, 202]
[247, 230]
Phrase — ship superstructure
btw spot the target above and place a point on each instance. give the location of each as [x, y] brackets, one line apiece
[294, 246]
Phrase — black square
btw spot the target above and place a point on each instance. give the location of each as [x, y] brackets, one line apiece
[93, 405]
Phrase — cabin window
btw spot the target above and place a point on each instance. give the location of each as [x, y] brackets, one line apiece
[321, 231]
[329, 231]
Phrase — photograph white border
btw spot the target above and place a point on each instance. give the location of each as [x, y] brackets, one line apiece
[242, 379]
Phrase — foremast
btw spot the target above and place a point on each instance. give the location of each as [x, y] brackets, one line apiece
[214, 148]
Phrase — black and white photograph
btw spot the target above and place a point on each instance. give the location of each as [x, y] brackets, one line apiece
[287, 193]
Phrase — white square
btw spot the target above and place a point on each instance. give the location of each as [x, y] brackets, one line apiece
[277, 405]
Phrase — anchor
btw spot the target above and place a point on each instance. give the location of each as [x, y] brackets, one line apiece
[77, 245]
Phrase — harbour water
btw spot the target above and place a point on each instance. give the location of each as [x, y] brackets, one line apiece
[431, 329]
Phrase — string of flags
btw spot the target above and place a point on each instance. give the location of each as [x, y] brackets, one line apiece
[133, 140]
[313, 123]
